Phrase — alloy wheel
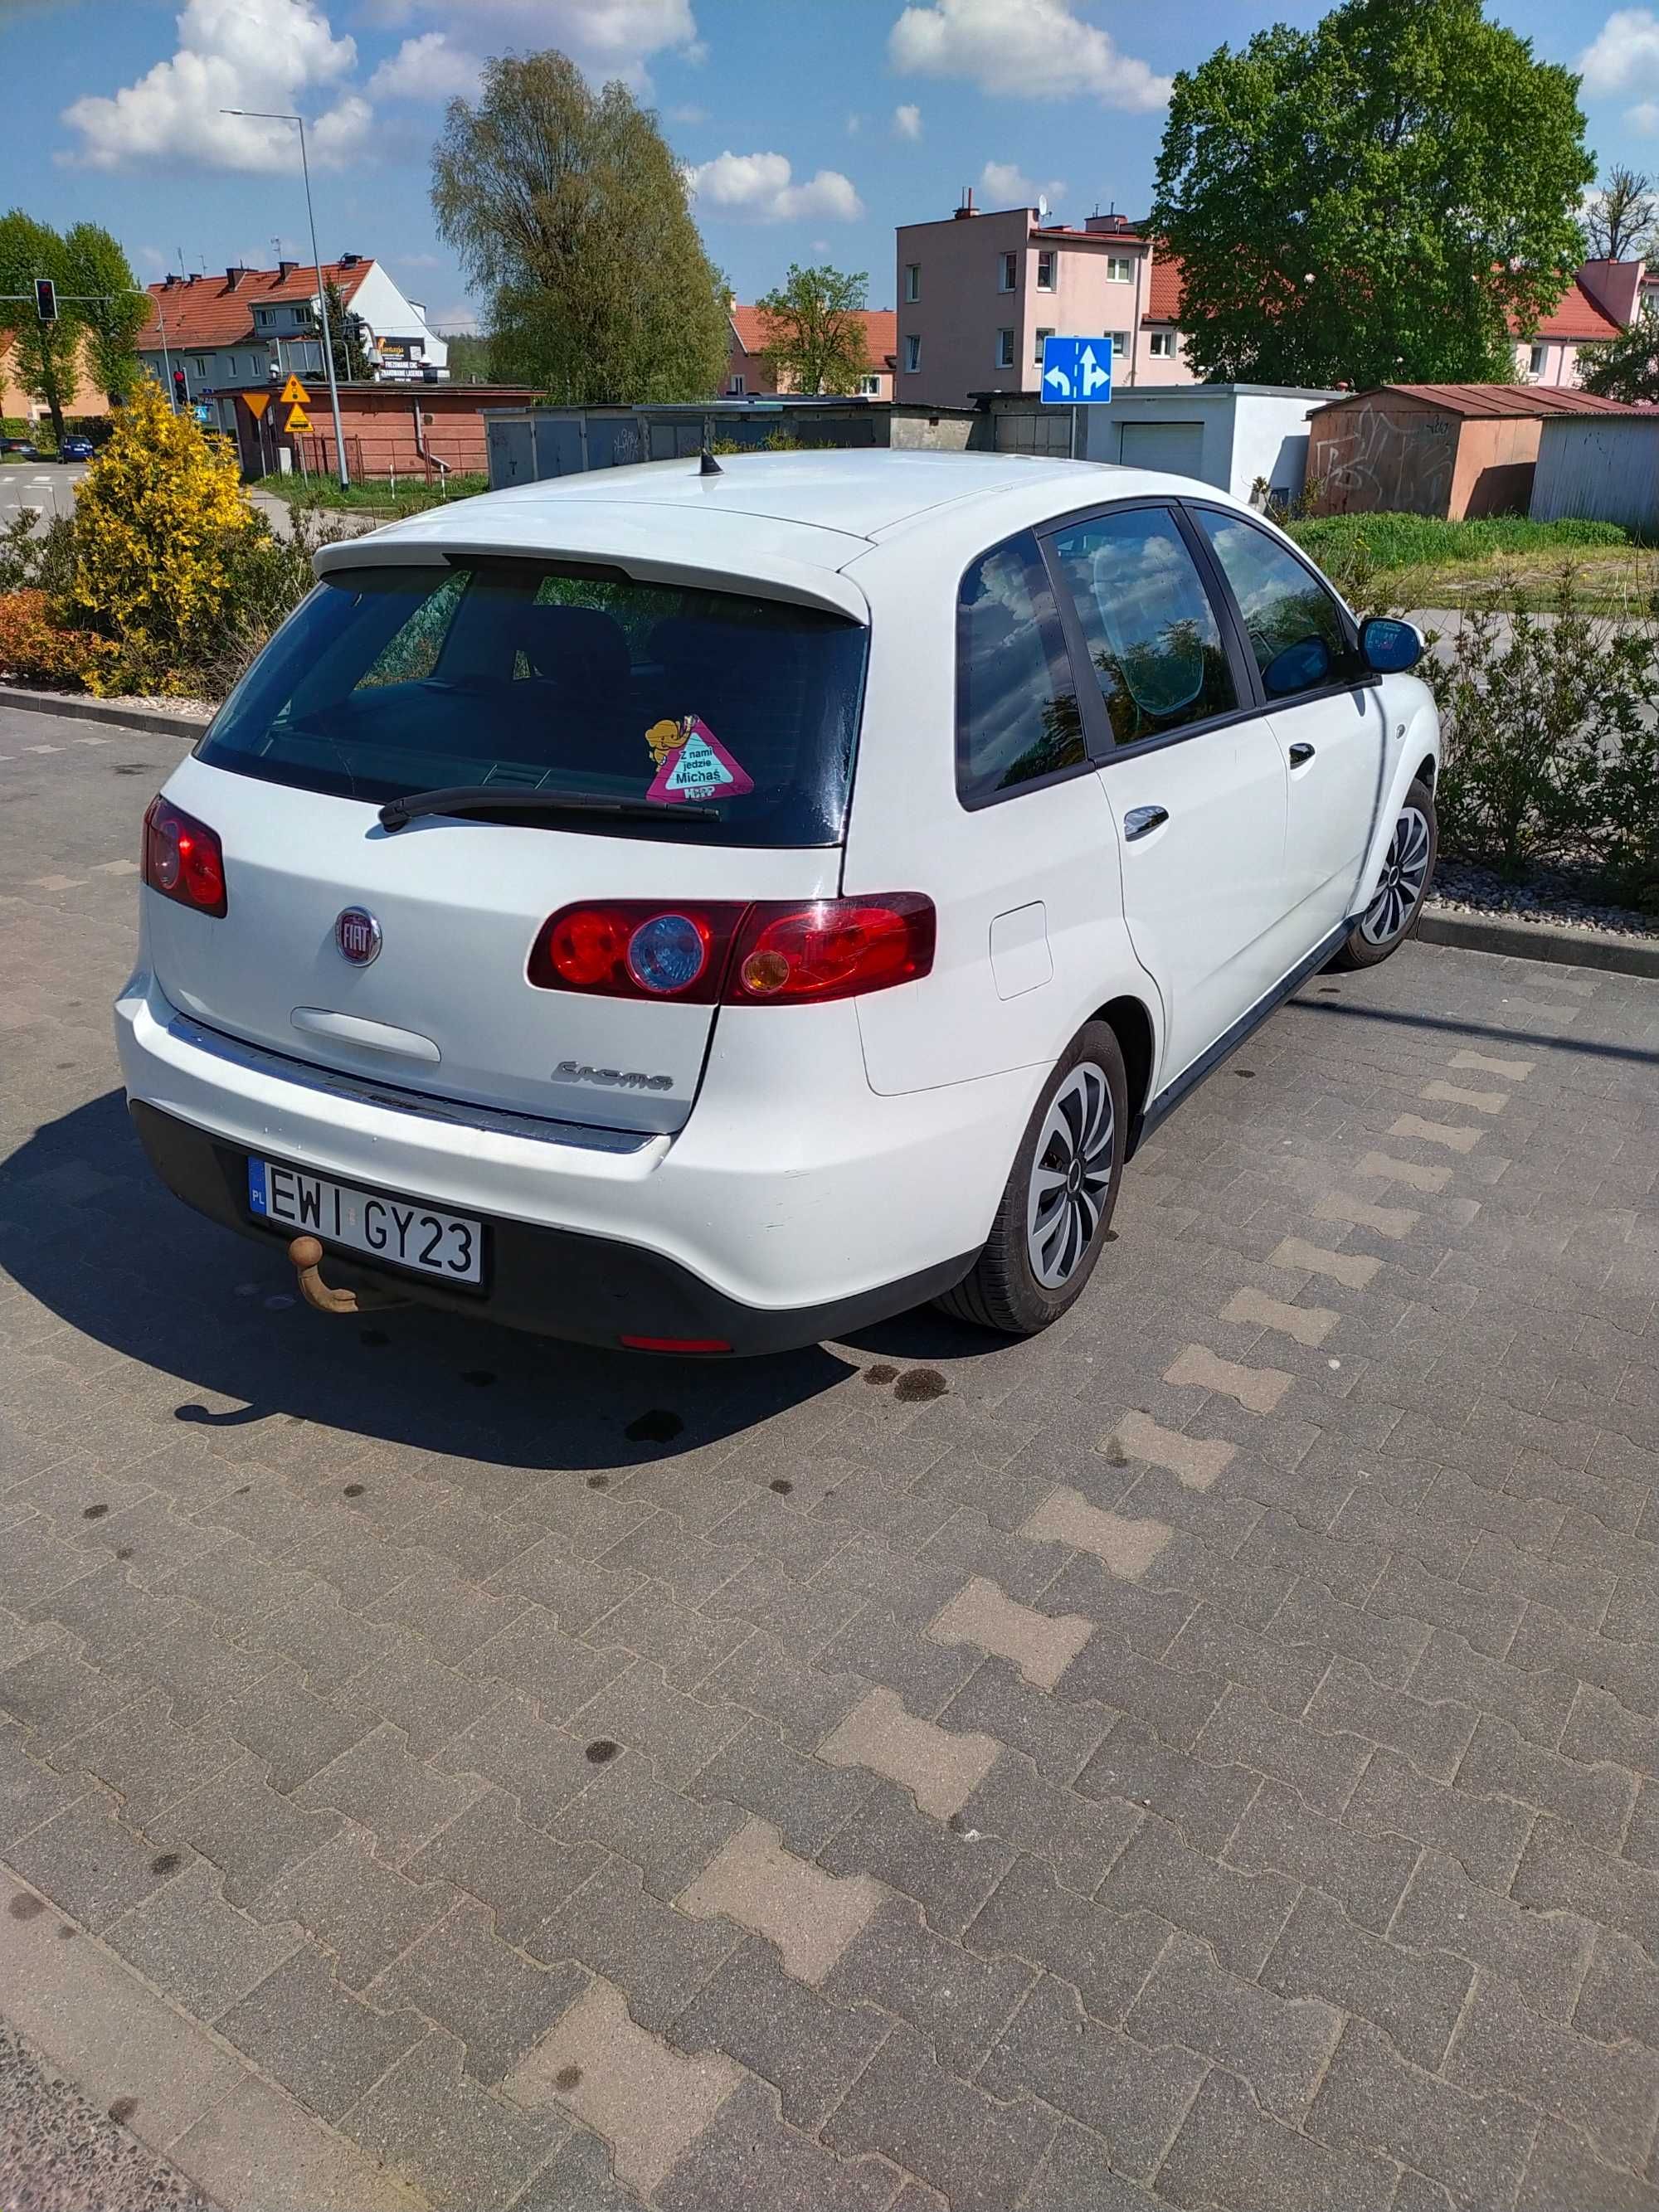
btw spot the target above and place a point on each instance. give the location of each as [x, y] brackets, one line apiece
[1405, 871]
[1071, 1175]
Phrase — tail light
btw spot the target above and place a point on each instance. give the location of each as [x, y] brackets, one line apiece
[772, 952]
[183, 858]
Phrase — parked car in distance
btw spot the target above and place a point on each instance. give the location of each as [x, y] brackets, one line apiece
[707, 912]
[75, 447]
[20, 446]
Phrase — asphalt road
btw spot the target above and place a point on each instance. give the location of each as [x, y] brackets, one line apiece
[1208, 1756]
[47, 485]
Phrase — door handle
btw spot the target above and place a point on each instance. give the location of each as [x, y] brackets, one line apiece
[1300, 754]
[1140, 821]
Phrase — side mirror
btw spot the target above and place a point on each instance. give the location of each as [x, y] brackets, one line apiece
[1389, 647]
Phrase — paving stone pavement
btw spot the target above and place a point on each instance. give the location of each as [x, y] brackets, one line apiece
[1206, 1758]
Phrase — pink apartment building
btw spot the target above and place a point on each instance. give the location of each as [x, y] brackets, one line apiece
[1600, 302]
[979, 292]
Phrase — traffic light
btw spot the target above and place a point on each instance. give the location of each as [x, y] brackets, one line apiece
[180, 395]
[45, 299]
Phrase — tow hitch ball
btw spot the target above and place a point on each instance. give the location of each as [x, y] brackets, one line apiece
[306, 1255]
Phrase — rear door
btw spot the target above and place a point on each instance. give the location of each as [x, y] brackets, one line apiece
[1192, 771]
[515, 677]
[1329, 721]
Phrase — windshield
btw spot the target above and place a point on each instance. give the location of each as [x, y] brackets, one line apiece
[716, 717]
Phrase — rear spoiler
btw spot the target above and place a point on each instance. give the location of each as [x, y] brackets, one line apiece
[715, 551]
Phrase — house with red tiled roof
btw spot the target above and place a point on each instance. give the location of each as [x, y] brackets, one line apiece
[1603, 298]
[981, 289]
[218, 333]
[748, 372]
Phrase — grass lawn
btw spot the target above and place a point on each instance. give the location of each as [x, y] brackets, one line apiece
[1418, 561]
[376, 496]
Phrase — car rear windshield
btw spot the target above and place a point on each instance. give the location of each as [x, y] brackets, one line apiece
[731, 717]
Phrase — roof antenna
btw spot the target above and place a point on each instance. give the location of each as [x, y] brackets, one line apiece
[708, 466]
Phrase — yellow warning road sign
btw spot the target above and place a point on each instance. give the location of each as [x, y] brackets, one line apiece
[294, 393]
[255, 403]
[297, 420]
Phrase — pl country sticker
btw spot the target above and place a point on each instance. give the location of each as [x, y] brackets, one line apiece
[692, 764]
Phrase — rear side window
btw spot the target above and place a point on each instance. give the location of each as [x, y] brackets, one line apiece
[1017, 712]
[545, 676]
[1295, 627]
[1150, 631]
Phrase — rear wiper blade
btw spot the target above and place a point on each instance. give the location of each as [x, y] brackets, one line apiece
[488, 798]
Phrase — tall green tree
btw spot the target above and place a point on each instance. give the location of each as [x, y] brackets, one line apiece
[112, 306]
[1627, 367]
[1389, 196]
[470, 357]
[44, 355]
[567, 207]
[814, 326]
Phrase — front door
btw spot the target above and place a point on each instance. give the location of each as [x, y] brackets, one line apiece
[1330, 724]
[1193, 776]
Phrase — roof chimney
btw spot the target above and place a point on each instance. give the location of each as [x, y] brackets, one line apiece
[967, 207]
[234, 275]
[285, 269]
[349, 260]
[169, 281]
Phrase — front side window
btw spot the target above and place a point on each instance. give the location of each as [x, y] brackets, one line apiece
[1120, 343]
[390, 680]
[735, 387]
[1150, 631]
[1162, 345]
[1295, 628]
[913, 280]
[1004, 349]
[1008, 271]
[1540, 355]
[1045, 272]
[913, 352]
[1017, 710]
[1118, 272]
[1036, 350]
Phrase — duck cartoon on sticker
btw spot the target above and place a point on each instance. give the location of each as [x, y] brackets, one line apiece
[692, 764]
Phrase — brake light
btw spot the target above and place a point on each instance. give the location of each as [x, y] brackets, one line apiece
[680, 1344]
[183, 858]
[768, 953]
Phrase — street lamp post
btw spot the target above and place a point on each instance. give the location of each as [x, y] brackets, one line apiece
[261, 115]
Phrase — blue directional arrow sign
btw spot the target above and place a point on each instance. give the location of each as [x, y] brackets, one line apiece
[1077, 372]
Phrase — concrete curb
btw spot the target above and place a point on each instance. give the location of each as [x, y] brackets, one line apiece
[1538, 940]
[187, 2094]
[71, 705]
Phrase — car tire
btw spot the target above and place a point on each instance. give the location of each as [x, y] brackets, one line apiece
[1397, 902]
[1044, 1243]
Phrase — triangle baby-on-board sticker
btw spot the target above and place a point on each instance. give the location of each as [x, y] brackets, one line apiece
[698, 767]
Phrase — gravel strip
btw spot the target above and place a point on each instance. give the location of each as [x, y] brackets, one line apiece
[59, 2153]
[1552, 895]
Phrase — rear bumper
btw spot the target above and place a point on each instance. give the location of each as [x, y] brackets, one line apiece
[554, 1282]
[795, 1203]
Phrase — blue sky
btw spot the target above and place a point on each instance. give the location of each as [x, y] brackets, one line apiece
[812, 129]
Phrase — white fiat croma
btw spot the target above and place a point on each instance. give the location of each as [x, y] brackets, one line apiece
[705, 909]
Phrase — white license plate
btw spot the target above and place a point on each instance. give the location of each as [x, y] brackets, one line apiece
[402, 1230]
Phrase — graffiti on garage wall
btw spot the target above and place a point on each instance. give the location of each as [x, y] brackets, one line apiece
[1372, 458]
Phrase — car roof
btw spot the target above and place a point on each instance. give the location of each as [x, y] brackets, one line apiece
[776, 518]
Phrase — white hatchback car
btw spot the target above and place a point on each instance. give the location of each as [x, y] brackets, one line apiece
[707, 909]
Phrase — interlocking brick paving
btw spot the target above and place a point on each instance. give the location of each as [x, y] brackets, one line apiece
[1207, 1757]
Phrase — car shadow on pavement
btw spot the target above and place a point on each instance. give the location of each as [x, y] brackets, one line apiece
[88, 1229]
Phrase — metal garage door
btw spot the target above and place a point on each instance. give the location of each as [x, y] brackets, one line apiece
[1178, 448]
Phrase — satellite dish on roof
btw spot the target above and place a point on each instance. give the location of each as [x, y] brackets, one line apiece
[1043, 207]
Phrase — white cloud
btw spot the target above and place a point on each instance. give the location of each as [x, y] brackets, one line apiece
[854, 124]
[427, 68]
[687, 112]
[760, 188]
[419, 260]
[1623, 57]
[1004, 184]
[231, 53]
[605, 38]
[1023, 49]
[1643, 116]
[907, 121]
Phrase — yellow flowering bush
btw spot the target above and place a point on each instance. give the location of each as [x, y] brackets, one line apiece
[159, 521]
